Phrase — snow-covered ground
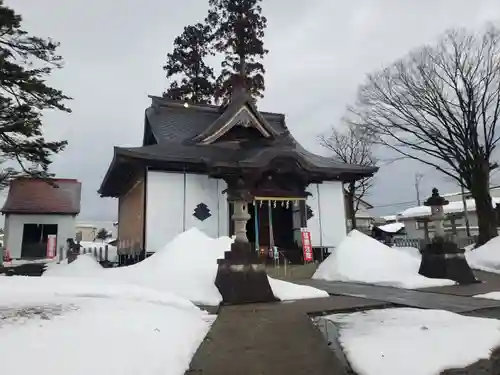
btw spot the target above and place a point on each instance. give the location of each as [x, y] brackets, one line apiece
[414, 341]
[490, 295]
[187, 267]
[485, 257]
[60, 326]
[362, 259]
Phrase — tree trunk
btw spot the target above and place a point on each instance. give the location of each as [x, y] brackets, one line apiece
[486, 215]
[351, 205]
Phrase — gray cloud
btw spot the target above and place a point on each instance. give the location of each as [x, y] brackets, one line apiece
[320, 51]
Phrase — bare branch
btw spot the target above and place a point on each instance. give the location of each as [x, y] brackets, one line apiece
[351, 146]
[440, 105]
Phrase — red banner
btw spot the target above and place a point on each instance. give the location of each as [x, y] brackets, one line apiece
[306, 245]
[51, 246]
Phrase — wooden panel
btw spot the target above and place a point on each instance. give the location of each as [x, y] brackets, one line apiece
[131, 216]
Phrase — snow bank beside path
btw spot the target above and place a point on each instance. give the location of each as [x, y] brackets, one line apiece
[414, 341]
[77, 326]
[362, 259]
[485, 257]
[186, 267]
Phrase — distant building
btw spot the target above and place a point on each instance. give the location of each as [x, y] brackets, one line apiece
[86, 232]
[389, 219]
[416, 219]
[34, 210]
[364, 219]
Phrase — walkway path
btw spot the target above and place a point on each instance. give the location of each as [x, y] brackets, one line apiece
[413, 298]
[273, 339]
[279, 338]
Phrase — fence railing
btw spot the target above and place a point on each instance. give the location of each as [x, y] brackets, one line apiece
[101, 254]
[421, 243]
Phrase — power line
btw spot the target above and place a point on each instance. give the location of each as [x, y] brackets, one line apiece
[394, 204]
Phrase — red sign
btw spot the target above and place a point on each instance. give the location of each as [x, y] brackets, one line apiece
[6, 256]
[51, 246]
[306, 245]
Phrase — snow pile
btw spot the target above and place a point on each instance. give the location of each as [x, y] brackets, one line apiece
[187, 267]
[485, 257]
[413, 251]
[490, 295]
[387, 341]
[80, 327]
[360, 258]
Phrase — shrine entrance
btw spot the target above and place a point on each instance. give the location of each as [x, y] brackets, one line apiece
[276, 222]
[277, 209]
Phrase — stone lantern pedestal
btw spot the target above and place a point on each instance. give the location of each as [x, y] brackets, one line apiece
[240, 277]
[442, 259]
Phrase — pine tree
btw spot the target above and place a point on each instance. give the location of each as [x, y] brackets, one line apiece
[238, 31]
[25, 63]
[103, 234]
[194, 79]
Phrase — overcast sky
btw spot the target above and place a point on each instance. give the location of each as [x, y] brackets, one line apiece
[320, 51]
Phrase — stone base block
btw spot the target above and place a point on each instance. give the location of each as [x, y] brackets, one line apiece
[243, 283]
[443, 260]
[241, 279]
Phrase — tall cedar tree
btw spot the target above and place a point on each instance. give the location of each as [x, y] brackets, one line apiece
[238, 31]
[195, 82]
[25, 63]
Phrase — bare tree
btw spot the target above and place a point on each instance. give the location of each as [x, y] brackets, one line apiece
[440, 105]
[349, 145]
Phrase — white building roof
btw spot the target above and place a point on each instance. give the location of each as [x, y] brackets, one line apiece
[390, 217]
[451, 208]
[391, 228]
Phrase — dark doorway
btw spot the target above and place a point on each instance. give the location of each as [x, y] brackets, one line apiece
[281, 222]
[34, 243]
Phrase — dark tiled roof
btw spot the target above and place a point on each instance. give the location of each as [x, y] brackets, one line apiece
[34, 196]
[172, 122]
[170, 136]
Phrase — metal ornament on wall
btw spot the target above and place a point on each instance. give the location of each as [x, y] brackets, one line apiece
[309, 212]
[202, 212]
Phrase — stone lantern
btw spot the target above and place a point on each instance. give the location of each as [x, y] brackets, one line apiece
[240, 277]
[442, 258]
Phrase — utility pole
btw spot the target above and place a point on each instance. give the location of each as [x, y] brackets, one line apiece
[466, 214]
[418, 177]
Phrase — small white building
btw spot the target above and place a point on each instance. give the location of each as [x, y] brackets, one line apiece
[35, 210]
[86, 232]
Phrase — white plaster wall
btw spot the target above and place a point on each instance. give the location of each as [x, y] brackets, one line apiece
[164, 208]
[14, 226]
[332, 213]
[223, 216]
[202, 189]
[313, 224]
[171, 199]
